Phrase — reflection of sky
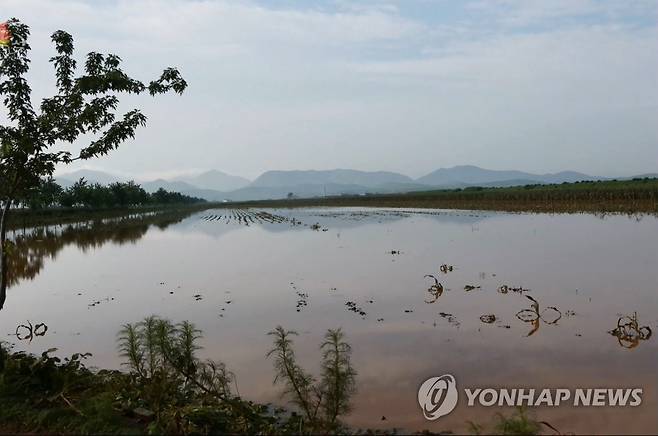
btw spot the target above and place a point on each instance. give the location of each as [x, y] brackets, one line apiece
[572, 262]
[335, 219]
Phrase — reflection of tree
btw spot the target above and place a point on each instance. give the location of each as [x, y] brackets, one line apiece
[32, 247]
[629, 333]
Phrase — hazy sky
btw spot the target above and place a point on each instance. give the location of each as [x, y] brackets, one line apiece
[404, 86]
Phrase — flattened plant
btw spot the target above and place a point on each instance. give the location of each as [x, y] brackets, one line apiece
[629, 333]
[550, 315]
[435, 290]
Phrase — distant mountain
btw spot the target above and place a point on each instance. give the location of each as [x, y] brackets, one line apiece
[174, 186]
[472, 175]
[218, 186]
[90, 176]
[64, 183]
[342, 177]
[215, 180]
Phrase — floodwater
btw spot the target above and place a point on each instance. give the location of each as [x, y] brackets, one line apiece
[237, 275]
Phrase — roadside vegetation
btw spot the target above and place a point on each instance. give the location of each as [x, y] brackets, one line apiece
[167, 389]
[49, 203]
[27, 218]
[619, 196]
[518, 423]
[49, 194]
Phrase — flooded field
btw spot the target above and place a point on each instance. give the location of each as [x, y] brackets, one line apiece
[495, 299]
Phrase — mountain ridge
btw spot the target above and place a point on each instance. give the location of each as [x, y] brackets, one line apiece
[309, 183]
[215, 180]
[276, 178]
[472, 174]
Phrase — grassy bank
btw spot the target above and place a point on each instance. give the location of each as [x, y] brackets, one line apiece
[43, 394]
[167, 389]
[629, 196]
[20, 218]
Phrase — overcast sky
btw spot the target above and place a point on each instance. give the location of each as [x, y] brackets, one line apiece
[407, 86]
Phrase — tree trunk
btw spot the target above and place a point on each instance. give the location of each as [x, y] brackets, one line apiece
[3, 253]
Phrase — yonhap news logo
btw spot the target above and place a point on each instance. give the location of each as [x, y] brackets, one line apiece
[438, 396]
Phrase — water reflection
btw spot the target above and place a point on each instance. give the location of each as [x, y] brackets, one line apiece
[219, 222]
[435, 290]
[551, 315]
[30, 248]
[27, 332]
[237, 281]
[629, 333]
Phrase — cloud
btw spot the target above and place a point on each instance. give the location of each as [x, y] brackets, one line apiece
[523, 13]
[397, 85]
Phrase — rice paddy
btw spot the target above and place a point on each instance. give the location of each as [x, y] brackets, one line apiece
[493, 298]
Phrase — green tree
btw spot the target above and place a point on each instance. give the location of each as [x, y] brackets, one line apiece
[45, 195]
[31, 144]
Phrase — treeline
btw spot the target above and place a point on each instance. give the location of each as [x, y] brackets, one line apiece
[49, 194]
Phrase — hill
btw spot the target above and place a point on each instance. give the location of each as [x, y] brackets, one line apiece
[215, 185]
[215, 180]
[340, 176]
[91, 176]
[472, 175]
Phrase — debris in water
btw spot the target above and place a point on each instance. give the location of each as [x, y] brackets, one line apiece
[629, 333]
[352, 307]
[533, 315]
[302, 301]
[31, 331]
[436, 290]
[450, 318]
[504, 289]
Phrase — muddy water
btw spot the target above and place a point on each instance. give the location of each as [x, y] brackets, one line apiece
[85, 281]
